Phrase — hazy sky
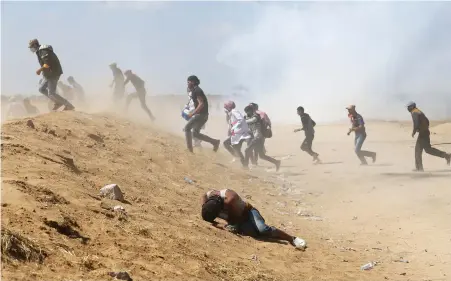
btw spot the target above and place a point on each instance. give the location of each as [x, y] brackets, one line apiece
[323, 55]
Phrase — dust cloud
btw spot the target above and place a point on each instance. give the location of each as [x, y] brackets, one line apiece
[324, 56]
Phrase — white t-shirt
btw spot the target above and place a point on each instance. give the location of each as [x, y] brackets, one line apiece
[238, 127]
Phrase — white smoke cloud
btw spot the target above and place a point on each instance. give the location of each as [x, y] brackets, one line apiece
[324, 56]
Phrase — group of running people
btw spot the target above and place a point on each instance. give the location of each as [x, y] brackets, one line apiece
[252, 128]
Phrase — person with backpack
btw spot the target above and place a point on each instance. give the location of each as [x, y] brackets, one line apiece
[266, 129]
[308, 127]
[421, 125]
[51, 70]
[254, 122]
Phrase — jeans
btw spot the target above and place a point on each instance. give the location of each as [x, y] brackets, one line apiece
[359, 140]
[258, 146]
[195, 124]
[48, 88]
[424, 142]
[255, 225]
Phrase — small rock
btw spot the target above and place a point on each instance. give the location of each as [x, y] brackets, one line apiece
[403, 274]
[119, 208]
[354, 218]
[112, 191]
[31, 124]
[254, 257]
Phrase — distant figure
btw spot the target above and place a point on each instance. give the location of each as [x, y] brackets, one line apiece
[118, 82]
[238, 132]
[77, 89]
[242, 217]
[308, 127]
[421, 125]
[140, 93]
[199, 117]
[358, 127]
[51, 70]
[66, 90]
[257, 142]
[31, 109]
[15, 108]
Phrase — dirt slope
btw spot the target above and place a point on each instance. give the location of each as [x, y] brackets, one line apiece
[51, 176]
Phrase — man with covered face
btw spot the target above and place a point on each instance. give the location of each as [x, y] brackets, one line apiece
[51, 70]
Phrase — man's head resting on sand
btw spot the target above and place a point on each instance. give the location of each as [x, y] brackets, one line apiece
[211, 208]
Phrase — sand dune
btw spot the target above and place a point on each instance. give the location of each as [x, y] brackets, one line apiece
[349, 214]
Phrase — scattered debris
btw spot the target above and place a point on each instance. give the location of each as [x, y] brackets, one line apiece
[354, 218]
[112, 191]
[254, 257]
[97, 138]
[188, 180]
[17, 247]
[349, 249]
[378, 249]
[248, 197]
[31, 124]
[403, 274]
[402, 260]
[368, 266]
[120, 275]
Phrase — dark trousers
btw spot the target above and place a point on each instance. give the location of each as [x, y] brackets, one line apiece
[141, 94]
[424, 143]
[307, 145]
[192, 129]
[48, 88]
[255, 159]
[359, 140]
[235, 150]
[258, 146]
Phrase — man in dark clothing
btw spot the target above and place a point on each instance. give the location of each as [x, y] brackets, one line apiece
[198, 117]
[421, 125]
[308, 127]
[358, 127]
[254, 122]
[77, 89]
[51, 70]
[138, 83]
[118, 82]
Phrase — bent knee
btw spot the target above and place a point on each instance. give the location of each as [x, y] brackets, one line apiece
[265, 230]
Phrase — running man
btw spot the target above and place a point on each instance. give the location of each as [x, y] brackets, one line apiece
[358, 127]
[118, 82]
[421, 126]
[308, 127]
[189, 107]
[51, 70]
[199, 117]
[238, 132]
[257, 142]
[242, 217]
[138, 83]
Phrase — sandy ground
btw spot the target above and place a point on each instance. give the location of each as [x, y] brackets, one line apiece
[348, 214]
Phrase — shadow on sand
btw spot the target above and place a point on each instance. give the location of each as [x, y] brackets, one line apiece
[416, 175]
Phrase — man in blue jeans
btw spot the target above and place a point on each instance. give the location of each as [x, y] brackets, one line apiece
[358, 127]
[242, 217]
[51, 70]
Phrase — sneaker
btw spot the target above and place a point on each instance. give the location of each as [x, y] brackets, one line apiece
[374, 158]
[68, 107]
[299, 243]
[278, 165]
[216, 145]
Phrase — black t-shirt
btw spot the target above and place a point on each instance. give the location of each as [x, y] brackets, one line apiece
[137, 82]
[197, 92]
[47, 56]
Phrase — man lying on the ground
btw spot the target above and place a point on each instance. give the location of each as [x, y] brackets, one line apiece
[242, 217]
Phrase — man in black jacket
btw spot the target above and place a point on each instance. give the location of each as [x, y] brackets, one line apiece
[307, 127]
[51, 70]
[138, 83]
